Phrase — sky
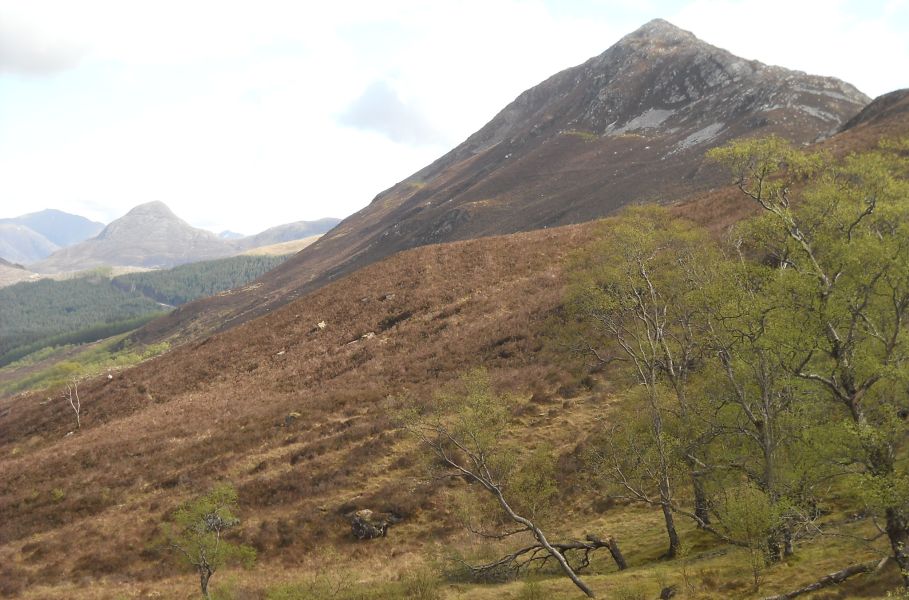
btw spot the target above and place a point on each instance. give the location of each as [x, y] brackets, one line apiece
[246, 115]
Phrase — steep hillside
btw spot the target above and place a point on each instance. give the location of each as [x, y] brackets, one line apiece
[61, 228]
[629, 125]
[150, 235]
[169, 427]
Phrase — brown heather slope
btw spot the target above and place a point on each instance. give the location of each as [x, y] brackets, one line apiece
[629, 125]
[84, 507]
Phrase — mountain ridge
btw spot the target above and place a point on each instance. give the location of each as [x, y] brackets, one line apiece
[60, 227]
[629, 125]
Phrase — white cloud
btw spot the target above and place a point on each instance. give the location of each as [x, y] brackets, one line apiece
[381, 109]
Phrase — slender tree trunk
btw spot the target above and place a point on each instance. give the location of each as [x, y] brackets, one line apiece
[670, 531]
[204, 576]
[701, 507]
[563, 563]
[617, 554]
[898, 532]
[540, 537]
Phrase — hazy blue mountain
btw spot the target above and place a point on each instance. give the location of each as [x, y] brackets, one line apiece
[61, 228]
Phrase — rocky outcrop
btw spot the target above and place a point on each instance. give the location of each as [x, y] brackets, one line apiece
[368, 525]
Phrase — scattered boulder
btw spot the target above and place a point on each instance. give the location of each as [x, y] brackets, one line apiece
[291, 418]
[366, 525]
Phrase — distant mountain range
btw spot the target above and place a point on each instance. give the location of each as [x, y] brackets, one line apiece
[148, 236]
[61, 228]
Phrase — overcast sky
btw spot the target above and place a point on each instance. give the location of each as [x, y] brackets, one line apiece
[245, 115]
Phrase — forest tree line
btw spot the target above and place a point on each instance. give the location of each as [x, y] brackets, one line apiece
[35, 315]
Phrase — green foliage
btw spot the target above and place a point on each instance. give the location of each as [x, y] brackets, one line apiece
[43, 313]
[82, 336]
[770, 366]
[471, 422]
[185, 283]
[197, 530]
[839, 242]
[92, 361]
[90, 307]
[469, 413]
[533, 485]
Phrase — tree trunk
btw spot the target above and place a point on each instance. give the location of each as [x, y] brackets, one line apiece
[670, 531]
[701, 509]
[898, 533]
[204, 576]
[617, 554]
[560, 558]
[539, 536]
[831, 579]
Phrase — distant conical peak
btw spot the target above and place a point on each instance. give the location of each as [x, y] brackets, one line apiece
[661, 29]
[155, 207]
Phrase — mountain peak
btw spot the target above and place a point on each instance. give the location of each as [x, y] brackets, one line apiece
[660, 27]
[154, 208]
[659, 32]
[150, 235]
